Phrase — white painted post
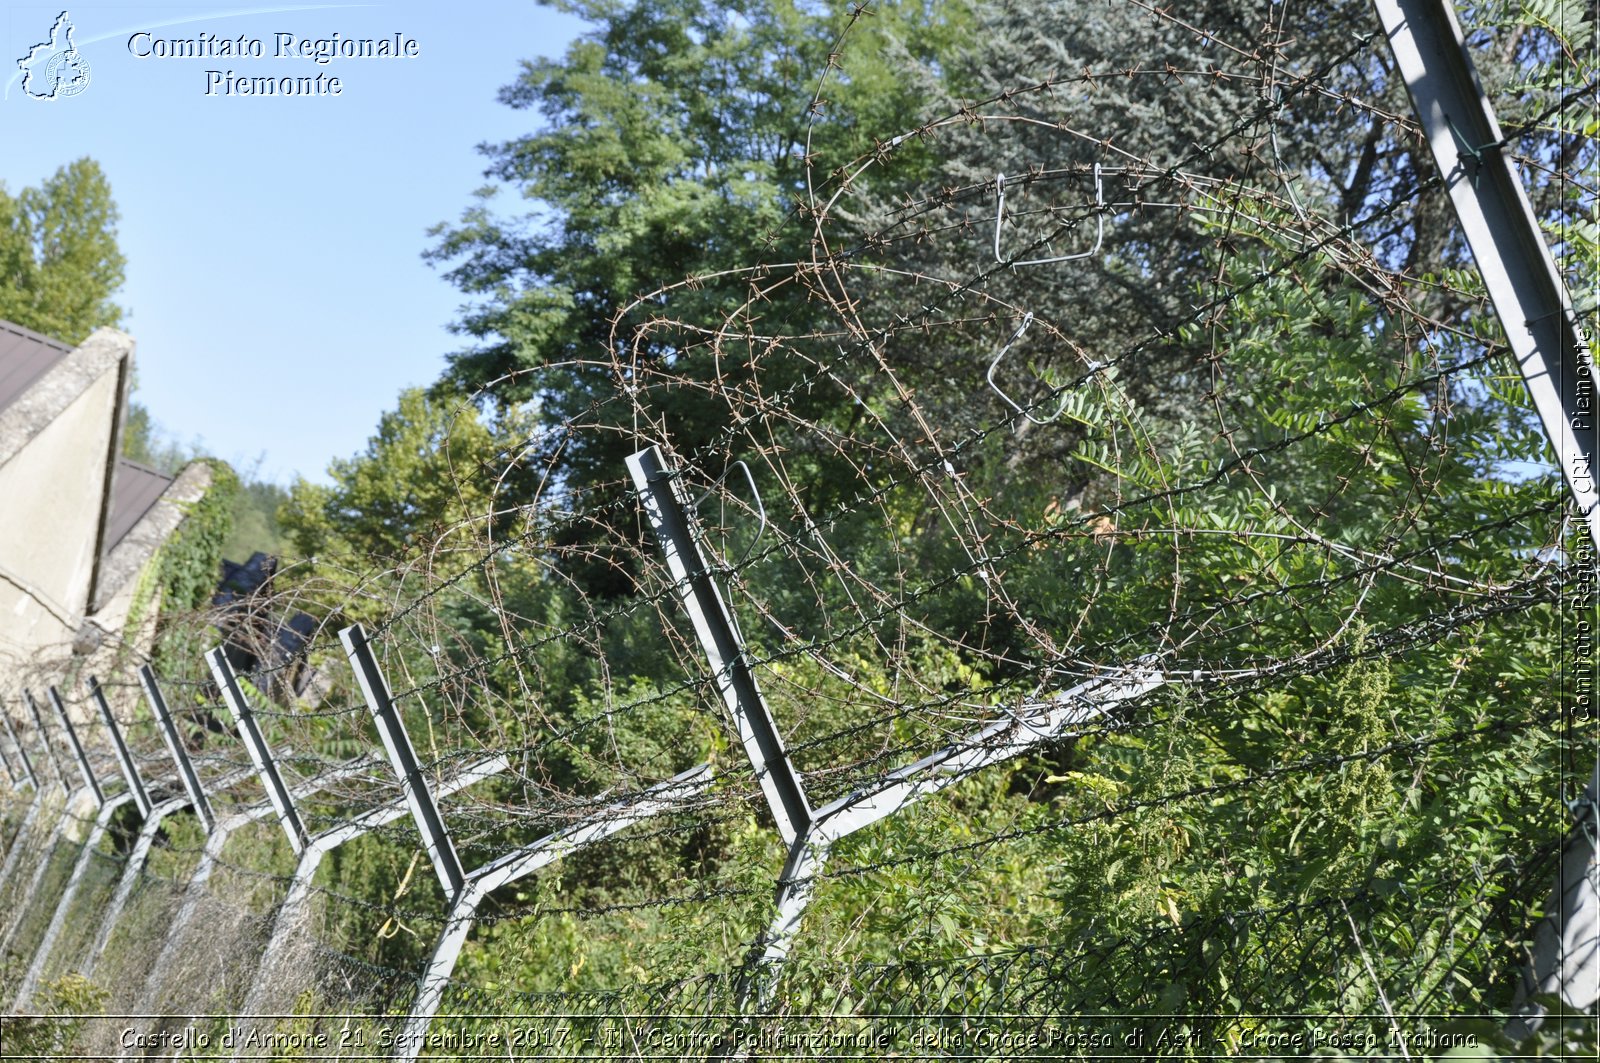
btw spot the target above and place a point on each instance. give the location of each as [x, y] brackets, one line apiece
[135, 793]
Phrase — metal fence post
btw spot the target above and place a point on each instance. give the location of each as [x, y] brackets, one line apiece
[1498, 222]
[260, 753]
[812, 833]
[14, 778]
[130, 770]
[135, 793]
[105, 809]
[175, 746]
[397, 743]
[29, 776]
[84, 768]
[1567, 939]
[19, 839]
[194, 798]
[672, 523]
[44, 740]
[508, 868]
[19, 908]
[210, 856]
[58, 919]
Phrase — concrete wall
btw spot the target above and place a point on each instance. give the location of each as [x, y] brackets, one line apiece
[52, 491]
[65, 601]
[56, 445]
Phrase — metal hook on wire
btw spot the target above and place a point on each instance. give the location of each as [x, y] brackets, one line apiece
[1027, 319]
[1099, 223]
[755, 493]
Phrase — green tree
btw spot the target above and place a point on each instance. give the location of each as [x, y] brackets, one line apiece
[255, 518]
[676, 145]
[423, 479]
[59, 261]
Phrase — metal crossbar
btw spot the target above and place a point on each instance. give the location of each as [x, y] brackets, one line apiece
[477, 885]
[291, 910]
[210, 856]
[810, 834]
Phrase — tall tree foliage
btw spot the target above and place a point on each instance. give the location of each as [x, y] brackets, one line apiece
[675, 145]
[60, 265]
[420, 481]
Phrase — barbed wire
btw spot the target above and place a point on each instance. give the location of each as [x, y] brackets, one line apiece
[1251, 444]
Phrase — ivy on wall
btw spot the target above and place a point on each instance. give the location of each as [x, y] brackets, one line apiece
[189, 562]
[188, 565]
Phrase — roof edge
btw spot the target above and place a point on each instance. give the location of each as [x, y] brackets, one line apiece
[38, 337]
[67, 380]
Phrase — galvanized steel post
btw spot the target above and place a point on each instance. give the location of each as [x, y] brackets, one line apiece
[175, 747]
[397, 743]
[260, 753]
[670, 519]
[84, 768]
[130, 770]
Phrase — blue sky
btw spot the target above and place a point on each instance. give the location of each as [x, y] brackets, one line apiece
[275, 283]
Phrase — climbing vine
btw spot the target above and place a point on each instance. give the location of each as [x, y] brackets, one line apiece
[187, 566]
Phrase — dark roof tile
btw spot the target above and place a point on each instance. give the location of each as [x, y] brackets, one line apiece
[134, 490]
[25, 356]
